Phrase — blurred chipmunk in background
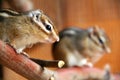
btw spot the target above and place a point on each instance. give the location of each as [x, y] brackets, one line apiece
[81, 47]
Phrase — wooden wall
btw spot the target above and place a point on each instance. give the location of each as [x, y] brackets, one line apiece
[85, 13]
[81, 13]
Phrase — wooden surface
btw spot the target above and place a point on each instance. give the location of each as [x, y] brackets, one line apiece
[82, 13]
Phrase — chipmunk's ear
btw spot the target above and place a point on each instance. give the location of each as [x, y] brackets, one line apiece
[91, 31]
[94, 29]
[34, 13]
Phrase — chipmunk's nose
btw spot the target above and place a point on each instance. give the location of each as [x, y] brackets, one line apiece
[108, 50]
[53, 39]
[56, 36]
[57, 39]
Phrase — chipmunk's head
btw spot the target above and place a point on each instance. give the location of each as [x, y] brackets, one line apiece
[47, 31]
[100, 39]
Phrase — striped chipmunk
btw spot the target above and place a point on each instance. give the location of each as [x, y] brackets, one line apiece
[81, 47]
[22, 30]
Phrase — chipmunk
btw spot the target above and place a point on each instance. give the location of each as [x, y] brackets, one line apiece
[81, 47]
[22, 30]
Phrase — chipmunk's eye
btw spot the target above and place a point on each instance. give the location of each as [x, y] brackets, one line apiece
[37, 16]
[48, 27]
[100, 40]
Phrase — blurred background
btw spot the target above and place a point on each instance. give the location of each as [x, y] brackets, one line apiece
[80, 13]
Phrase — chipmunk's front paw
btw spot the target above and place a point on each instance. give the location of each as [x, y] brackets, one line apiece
[20, 51]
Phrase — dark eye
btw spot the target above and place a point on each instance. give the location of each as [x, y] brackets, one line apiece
[48, 27]
[37, 16]
[100, 41]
